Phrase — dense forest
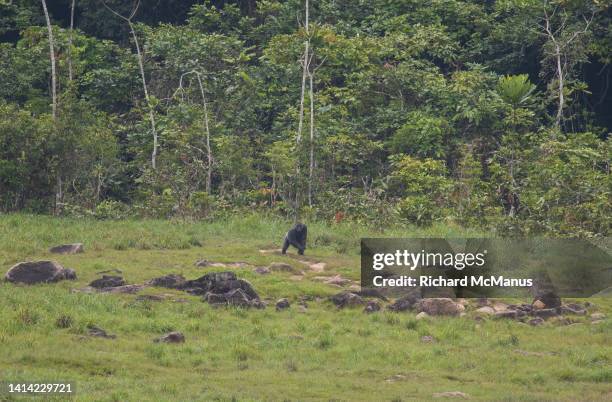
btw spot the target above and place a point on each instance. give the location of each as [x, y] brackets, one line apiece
[487, 113]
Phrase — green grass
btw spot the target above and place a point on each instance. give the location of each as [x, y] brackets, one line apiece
[233, 354]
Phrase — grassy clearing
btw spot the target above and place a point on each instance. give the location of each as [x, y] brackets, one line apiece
[233, 354]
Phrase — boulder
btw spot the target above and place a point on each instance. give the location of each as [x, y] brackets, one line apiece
[171, 281]
[439, 306]
[107, 281]
[74, 248]
[538, 305]
[32, 272]
[372, 307]
[347, 299]
[282, 304]
[406, 302]
[223, 288]
[171, 337]
[486, 310]
[219, 282]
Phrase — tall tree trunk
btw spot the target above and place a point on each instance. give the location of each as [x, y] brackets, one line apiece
[561, 86]
[146, 94]
[312, 126]
[208, 149]
[58, 190]
[52, 57]
[305, 73]
[70, 40]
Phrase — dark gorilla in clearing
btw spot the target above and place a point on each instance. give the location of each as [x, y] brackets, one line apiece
[296, 237]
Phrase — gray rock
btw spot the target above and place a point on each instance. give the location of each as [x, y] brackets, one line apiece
[506, 314]
[406, 302]
[32, 272]
[219, 282]
[171, 337]
[171, 281]
[486, 310]
[347, 299]
[74, 248]
[107, 281]
[372, 307]
[282, 304]
[439, 306]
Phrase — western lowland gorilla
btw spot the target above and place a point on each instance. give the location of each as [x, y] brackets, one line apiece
[296, 237]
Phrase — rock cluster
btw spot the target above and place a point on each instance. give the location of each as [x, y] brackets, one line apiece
[223, 288]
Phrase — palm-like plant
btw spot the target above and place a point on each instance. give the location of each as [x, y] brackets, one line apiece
[515, 89]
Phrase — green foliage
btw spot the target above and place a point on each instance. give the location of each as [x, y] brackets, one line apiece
[515, 90]
[425, 185]
[422, 135]
[422, 109]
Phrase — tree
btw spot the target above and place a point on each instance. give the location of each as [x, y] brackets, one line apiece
[564, 48]
[52, 57]
[139, 55]
[206, 125]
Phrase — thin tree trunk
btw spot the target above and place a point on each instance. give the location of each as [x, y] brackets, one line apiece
[311, 167]
[58, 191]
[209, 150]
[561, 86]
[305, 72]
[52, 57]
[146, 93]
[70, 41]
